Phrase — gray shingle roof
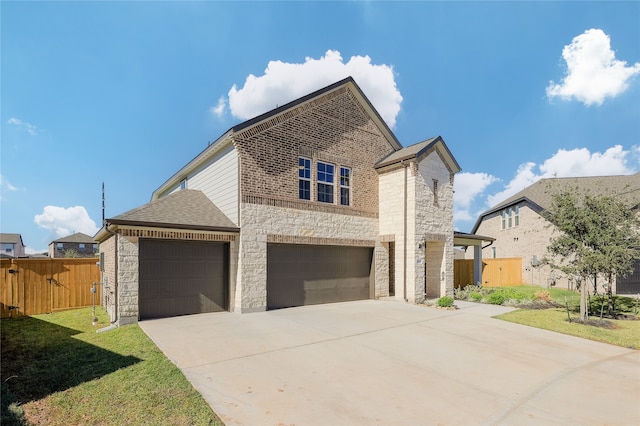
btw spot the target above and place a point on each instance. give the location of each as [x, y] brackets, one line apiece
[415, 151]
[10, 238]
[540, 193]
[627, 186]
[78, 237]
[184, 209]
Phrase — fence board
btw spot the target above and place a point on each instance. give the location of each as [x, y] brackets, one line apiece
[495, 272]
[38, 286]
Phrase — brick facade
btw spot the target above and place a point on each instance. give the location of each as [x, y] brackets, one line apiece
[334, 129]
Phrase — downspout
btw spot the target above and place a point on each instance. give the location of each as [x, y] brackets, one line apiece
[404, 275]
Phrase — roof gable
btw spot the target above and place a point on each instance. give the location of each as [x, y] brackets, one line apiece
[11, 238]
[184, 209]
[417, 151]
[276, 115]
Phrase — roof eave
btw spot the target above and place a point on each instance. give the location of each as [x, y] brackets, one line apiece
[124, 222]
[501, 207]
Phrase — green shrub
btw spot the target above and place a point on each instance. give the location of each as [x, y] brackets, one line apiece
[497, 298]
[445, 301]
[475, 296]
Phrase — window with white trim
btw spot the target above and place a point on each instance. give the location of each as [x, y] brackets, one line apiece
[304, 178]
[325, 182]
[345, 186]
[511, 217]
[183, 183]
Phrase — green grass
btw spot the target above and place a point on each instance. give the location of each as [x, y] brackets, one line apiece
[57, 370]
[620, 332]
[624, 333]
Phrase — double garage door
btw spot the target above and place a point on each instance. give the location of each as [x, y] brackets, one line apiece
[300, 275]
[182, 277]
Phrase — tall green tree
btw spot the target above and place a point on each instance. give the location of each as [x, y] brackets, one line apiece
[595, 235]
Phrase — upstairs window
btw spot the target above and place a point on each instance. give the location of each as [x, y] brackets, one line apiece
[345, 186]
[511, 217]
[95, 248]
[60, 246]
[183, 183]
[304, 178]
[8, 248]
[325, 182]
[81, 246]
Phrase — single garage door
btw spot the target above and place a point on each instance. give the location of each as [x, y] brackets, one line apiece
[300, 275]
[182, 277]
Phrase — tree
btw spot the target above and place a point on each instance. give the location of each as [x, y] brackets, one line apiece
[71, 253]
[599, 235]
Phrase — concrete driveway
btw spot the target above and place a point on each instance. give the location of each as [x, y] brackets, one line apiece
[391, 363]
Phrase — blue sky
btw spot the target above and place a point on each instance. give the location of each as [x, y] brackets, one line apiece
[126, 93]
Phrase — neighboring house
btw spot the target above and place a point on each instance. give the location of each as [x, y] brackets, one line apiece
[313, 202]
[75, 245]
[520, 230]
[11, 245]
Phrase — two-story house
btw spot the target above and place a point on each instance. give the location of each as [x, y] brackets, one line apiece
[520, 230]
[11, 245]
[313, 202]
[74, 245]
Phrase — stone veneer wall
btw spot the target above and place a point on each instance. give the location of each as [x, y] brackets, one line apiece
[425, 222]
[108, 275]
[391, 194]
[262, 224]
[434, 225]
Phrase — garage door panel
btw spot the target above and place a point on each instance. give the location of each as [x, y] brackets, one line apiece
[182, 277]
[306, 275]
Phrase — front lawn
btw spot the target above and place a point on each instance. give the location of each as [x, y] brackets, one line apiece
[56, 370]
[550, 309]
[624, 333]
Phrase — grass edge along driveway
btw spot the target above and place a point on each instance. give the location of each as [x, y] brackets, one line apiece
[57, 370]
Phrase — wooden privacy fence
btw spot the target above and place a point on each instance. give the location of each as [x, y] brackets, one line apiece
[39, 286]
[495, 272]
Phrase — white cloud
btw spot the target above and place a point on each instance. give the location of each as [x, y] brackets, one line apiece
[220, 107]
[593, 72]
[30, 128]
[283, 82]
[577, 162]
[62, 222]
[467, 187]
[5, 185]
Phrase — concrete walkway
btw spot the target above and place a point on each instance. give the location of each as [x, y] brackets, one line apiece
[391, 363]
